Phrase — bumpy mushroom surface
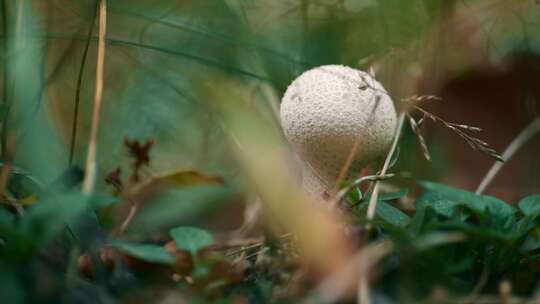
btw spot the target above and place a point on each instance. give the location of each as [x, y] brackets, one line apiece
[325, 110]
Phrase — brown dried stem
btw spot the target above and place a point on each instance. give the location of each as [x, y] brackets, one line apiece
[91, 166]
[523, 138]
[416, 129]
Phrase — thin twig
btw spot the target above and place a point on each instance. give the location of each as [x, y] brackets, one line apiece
[78, 90]
[523, 138]
[475, 294]
[90, 174]
[343, 192]
[234, 244]
[254, 244]
[245, 248]
[374, 195]
[263, 250]
[129, 218]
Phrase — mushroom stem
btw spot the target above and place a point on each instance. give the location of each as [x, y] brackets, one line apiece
[312, 182]
[374, 195]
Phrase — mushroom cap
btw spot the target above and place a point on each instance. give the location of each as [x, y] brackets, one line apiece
[326, 109]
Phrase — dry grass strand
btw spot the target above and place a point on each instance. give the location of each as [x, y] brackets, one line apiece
[91, 166]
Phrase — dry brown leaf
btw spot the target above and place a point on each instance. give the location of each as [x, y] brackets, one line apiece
[174, 179]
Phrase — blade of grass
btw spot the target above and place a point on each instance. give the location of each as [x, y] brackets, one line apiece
[196, 58]
[521, 140]
[90, 173]
[374, 195]
[78, 90]
[8, 139]
[5, 76]
[201, 32]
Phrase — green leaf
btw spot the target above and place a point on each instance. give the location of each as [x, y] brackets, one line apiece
[530, 204]
[393, 195]
[444, 207]
[354, 195]
[191, 239]
[23, 186]
[532, 242]
[13, 287]
[392, 215]
[7, 219]
[499, 207]
[172, 207]
[174, 196]
[477, 203]
[465, 198]
[49, 217]
[99, 201]
[437, 203]
[421, 216]
[145, 252]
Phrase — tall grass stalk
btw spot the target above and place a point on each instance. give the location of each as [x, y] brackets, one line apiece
[91, 165]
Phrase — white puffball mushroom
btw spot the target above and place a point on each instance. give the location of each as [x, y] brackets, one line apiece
[325, 110]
